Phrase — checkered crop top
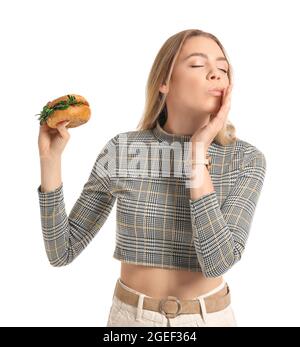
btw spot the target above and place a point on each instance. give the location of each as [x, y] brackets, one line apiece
[157, 223]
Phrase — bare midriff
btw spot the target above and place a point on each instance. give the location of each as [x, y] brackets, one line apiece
[159, 283]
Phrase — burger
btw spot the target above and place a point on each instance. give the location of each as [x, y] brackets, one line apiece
[71, 107]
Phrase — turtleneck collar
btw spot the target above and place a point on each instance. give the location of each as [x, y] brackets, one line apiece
[162, 135]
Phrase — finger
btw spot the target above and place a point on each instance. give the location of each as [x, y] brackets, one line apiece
[44, 127]
[222, 114]
[62, 125]
[63, 130]
[224, 92]
[230, 87]
[224, 96]
[218, 120]
[225, 100]
[227, 97]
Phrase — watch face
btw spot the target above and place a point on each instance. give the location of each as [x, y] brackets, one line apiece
[209, 162]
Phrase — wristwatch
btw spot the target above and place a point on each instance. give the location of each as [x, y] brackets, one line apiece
[207, 162]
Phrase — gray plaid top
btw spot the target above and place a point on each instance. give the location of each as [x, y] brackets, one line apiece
[157, 224]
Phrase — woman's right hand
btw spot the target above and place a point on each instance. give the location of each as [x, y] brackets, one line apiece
[52, 141]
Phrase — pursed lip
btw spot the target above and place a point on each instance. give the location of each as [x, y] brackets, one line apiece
[215, 91]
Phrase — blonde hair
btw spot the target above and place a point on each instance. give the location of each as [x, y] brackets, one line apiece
[160, 73]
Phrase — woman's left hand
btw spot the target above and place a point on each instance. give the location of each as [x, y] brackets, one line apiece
[207, 133]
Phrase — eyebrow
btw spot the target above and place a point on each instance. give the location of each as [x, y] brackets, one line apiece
[203, 55]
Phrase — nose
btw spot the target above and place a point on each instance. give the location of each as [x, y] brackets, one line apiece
[214, 74]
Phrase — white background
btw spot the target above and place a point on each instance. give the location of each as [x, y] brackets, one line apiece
[104, 51]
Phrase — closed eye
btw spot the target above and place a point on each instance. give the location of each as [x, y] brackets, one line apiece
[202, 66]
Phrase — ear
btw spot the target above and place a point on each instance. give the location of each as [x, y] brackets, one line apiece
[163, 89]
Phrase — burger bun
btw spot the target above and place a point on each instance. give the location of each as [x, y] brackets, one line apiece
[75, 114]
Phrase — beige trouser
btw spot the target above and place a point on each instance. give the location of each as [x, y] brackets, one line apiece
[125, 315]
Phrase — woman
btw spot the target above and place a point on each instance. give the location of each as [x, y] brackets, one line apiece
[177, 234]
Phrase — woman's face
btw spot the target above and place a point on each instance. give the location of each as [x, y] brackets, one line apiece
[193, 76]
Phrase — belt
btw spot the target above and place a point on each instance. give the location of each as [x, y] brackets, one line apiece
[171, 306]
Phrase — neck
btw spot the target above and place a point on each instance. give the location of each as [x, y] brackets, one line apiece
[185, 125]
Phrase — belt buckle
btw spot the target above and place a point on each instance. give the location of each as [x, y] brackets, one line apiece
[170, 315]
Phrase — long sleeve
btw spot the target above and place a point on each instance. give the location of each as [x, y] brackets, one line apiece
[66, 236]
[220, 233]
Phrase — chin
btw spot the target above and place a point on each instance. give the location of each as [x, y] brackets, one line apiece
[212, 107]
